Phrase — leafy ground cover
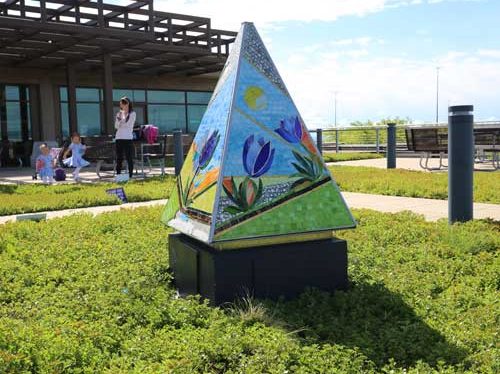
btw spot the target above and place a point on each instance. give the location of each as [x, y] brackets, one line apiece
[36, 198]
[350, 156]
[92, 295]
[399, 182]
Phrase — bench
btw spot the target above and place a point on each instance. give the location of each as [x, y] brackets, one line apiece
[429, 142]
[433, 141]
[101, 151]
[487, 140]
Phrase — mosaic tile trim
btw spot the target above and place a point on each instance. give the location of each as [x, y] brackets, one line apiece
[256, 53]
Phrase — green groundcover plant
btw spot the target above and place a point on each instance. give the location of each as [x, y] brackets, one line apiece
[16, 199]
[400, 182]
[94, 295]
[350, 156]
[397, 182]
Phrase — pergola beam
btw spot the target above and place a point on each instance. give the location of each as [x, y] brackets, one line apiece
[69, 31]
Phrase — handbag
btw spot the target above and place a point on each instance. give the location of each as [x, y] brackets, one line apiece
[59, 175]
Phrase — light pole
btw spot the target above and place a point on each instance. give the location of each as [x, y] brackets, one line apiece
[437, 95]
[335, 111]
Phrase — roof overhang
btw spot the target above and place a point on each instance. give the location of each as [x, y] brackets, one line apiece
[52, 34]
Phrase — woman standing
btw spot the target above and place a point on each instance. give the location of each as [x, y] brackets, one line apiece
[124, 125]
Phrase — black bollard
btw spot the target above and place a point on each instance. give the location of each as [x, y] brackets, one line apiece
[319, 140]
[460, 163]
[178, 151]
[391, 146]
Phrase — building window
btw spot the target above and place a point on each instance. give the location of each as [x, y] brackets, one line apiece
[195, 114]
[167, 109]
[15, 113]
[88, 111]
[163, 97]
[137, 96]
[197, 105]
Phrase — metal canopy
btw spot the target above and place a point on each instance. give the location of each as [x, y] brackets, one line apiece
[51, 34]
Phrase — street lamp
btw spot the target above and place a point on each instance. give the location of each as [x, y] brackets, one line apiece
[437, 95]
[335, 111]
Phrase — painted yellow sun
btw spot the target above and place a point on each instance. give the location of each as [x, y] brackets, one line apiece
[255, 98]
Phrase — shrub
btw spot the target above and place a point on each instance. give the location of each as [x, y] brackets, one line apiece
[36, 198]
[86, 294]
[399, 182]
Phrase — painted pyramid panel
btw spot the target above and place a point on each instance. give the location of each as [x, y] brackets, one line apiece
[190, 211]
[271, 179]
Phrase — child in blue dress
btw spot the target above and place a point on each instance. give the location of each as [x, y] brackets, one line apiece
[45, 165]
[76, 160]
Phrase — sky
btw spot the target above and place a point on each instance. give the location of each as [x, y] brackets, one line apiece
[380, 56]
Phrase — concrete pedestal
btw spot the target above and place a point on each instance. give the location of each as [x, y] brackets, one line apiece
[263, 272]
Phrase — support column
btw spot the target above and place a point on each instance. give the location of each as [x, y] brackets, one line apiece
[48, 99]
[36, 129]
[3, 114]
[25, 129]
[178, 151]
[319, 140]
[460, 163]
[71, 83]
[107, 85]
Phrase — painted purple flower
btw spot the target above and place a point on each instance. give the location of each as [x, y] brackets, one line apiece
[290, 129]
[257, 156]
[208, 149]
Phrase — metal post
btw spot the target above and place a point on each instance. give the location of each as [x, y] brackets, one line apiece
[319, 140]
[437, 95]
[391, 146]
[460, 163]
[71, 82]
[178, 151]
[377, 140]
[107, 78]
[336, 141]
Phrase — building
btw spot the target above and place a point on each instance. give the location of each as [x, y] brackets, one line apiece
[65, 64]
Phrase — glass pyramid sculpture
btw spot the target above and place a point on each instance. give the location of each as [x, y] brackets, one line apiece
[253, 175]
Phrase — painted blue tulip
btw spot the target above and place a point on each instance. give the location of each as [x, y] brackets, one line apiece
[208, 149]
[257, 156]
[290, 129]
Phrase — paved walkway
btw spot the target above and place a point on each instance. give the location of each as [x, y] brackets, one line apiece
[431, 209]
[408, 163]
[15, 176]
[93, 210]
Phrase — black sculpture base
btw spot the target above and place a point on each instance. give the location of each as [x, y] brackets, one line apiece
[263, 272]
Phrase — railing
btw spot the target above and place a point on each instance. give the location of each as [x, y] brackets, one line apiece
[373, 138]
[365, 139]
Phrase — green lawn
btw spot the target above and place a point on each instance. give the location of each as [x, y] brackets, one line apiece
[37, 197]
[93, 295]
[350, 156]
[398, 182]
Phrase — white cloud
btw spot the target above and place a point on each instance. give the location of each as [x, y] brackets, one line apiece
[229, 14]
[369, 87]
[493, 53]
[375, 87]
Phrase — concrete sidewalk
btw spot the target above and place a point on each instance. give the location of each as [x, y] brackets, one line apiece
[408, 163]
[431, 209]
[93, 210]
